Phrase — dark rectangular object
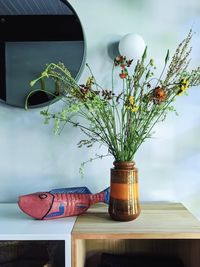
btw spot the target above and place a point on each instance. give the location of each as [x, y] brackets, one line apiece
[39, 28]
[32, 253]
[139, 260]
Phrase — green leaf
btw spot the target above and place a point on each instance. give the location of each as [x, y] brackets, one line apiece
[144, 54]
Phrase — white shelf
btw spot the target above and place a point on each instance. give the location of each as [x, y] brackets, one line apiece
[15, 225]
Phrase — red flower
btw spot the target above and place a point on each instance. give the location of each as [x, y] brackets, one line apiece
[123, 75]
[119, 60]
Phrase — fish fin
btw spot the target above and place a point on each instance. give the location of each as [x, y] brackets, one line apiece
[71, 190]
[57, 213]
[106, 195]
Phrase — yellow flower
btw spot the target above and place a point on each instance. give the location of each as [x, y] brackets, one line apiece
[131, 100]
[135, 108]
[184, 84]
[131, 105]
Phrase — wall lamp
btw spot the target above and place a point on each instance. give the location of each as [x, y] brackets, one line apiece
[132, 46]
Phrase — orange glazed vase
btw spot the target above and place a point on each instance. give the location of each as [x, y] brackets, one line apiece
[124, 203]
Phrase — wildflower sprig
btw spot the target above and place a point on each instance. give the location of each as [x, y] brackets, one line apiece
[121, 118]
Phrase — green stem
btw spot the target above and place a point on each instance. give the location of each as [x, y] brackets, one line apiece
[38, 90]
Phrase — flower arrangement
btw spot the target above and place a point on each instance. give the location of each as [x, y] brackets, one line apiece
[121, 120]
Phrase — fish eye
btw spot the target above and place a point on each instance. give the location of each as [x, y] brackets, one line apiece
[42, 196]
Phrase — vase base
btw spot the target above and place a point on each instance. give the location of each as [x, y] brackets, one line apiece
[124, 217]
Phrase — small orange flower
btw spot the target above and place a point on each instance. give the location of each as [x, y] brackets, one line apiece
[123, 75]
[159, 95]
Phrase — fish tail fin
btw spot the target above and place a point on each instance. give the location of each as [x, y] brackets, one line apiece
[106, 195]
[103, 196]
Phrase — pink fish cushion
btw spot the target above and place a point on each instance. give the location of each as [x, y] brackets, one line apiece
[60, 203]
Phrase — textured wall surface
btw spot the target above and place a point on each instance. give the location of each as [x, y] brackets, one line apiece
[33, 159]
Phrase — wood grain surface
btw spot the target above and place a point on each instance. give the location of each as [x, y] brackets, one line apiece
[157, 220]
[162, 227]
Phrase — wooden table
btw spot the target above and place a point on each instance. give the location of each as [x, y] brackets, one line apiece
[165, 228]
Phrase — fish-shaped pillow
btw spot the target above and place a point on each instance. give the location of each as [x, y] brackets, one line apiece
[62, 202]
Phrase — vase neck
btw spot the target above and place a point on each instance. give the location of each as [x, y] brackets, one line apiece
[124, 164]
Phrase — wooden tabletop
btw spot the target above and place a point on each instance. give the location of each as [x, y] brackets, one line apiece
[159, 220]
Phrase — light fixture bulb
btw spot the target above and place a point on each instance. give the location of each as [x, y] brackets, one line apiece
[132, 46]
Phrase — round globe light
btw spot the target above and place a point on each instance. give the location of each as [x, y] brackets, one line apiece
[132, 46]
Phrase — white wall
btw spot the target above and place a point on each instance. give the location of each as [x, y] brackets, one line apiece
[33, 159]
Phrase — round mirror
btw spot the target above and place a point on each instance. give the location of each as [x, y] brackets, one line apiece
[34, 33]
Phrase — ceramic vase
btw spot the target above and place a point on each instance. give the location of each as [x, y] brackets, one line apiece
[124, 200]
